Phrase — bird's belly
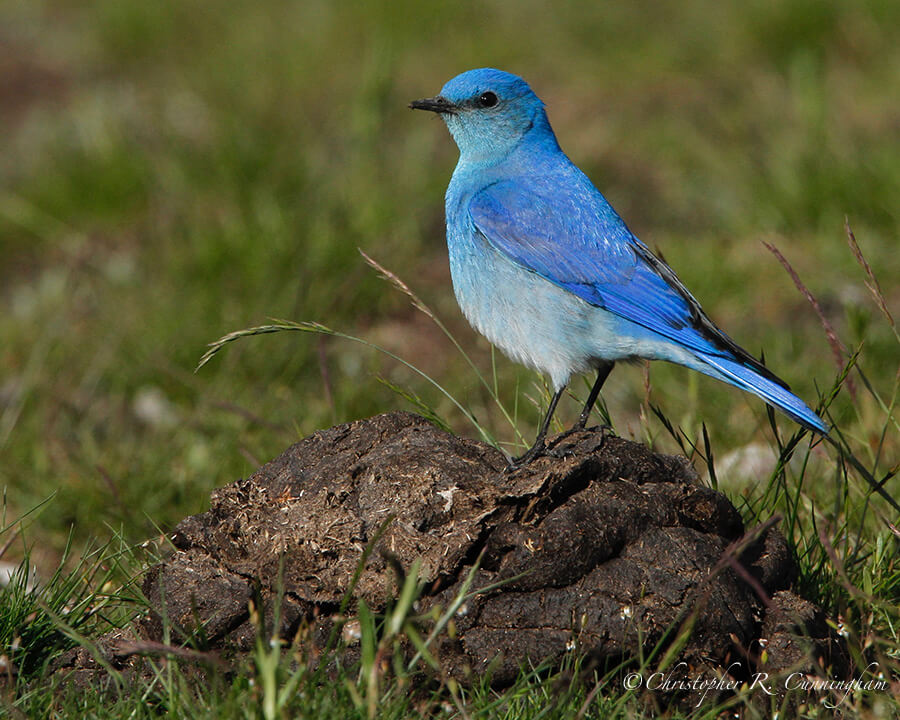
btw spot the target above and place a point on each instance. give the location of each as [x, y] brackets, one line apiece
[538, 323]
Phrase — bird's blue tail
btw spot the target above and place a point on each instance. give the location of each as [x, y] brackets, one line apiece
[778, 396]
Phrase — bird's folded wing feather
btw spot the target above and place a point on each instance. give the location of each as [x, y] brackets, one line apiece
[579, 243]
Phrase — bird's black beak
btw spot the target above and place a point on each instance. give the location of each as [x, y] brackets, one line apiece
[435, 104]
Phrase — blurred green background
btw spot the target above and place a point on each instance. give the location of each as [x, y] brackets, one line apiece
[172, 171]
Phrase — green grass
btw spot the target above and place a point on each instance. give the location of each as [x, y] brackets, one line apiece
[171, 172]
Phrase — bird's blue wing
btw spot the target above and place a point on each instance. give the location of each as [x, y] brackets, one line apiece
[578, 242]
[569, 239]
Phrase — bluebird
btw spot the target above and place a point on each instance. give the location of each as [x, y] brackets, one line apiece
[546, 270]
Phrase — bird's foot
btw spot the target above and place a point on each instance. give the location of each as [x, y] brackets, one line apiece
[602, 429]
[579, 426]
[559, 453]
[540, 448]
[561, 449]
[535, 451]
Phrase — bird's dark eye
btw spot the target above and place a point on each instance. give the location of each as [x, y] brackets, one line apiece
[487, 99]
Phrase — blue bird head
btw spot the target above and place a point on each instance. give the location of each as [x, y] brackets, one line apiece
[488, 113]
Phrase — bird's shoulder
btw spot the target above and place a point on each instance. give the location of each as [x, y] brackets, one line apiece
[551, 209]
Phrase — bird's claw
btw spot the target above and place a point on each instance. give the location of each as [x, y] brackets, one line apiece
[560, 453]
[531, 454]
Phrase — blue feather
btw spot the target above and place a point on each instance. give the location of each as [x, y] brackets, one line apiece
[548, 271]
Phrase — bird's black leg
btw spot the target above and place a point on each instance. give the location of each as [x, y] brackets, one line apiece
[602, 373]
[538, 447]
